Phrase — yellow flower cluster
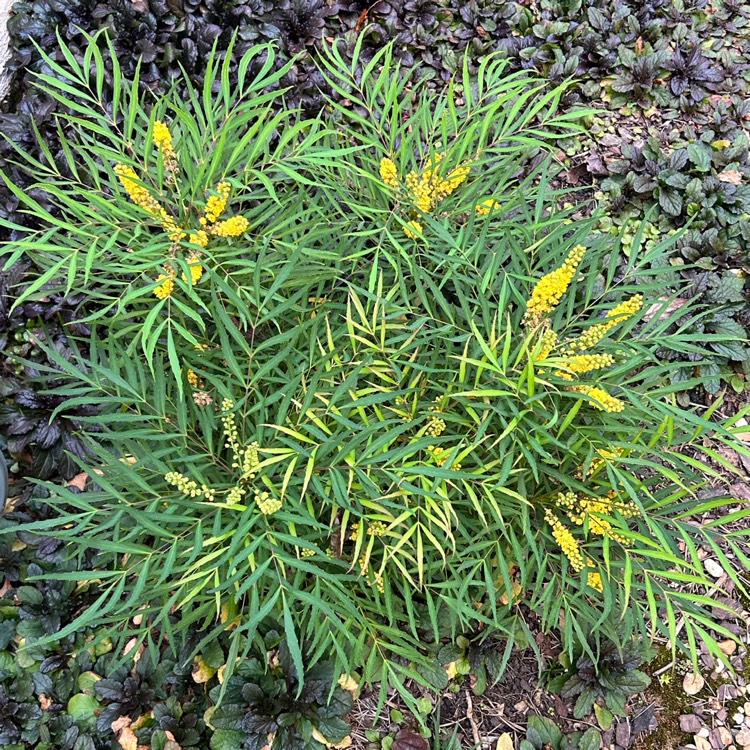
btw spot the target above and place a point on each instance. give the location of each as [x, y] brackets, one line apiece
[196, 272]
[232, 227]
[250, 460]
[163, 141]
[199, 238]
[595, 581]
[598, 461]
[487, 205]
[425, 190]
[235, 495]
[581, 363]
[186, 486]
[435, 427]
[138, 193]
[388, 172]
[377, 528]
[412, 230]
[548, 340]
[601, 399]
[582, 509]
[229, 423]
[429, 188]
[441, 455]
[162, 136]
[593, 335]
[215, 204]
[165, 285]
[192, 378]
[377, 578]
[565, 540]
[550, 288]
[267, 504]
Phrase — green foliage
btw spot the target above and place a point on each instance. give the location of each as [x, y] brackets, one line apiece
[351, 427]
[543, 734]
[606, 679]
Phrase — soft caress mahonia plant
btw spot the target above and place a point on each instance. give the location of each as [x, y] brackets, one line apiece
[198, 238]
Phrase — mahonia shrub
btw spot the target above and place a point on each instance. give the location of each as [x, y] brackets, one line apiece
[362, 375]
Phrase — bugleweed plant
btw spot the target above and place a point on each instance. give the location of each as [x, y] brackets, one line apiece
[361, 375]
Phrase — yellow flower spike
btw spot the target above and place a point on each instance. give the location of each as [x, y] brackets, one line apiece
[199, 238]
[582, 363]
[412, 230]
[388, 172]
[162, 136]
[166, 286]
[601, 399]
[548, 340]
[163, 139]
[215, 204]
[486, 206]
[170, 226]
[196, 272]
[618, 314]
[138, 193]
[233, 227]
[595, 579]
[565, 540]
[550, 288]
[267, 504]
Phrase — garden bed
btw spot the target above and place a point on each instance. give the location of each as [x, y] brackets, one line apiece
[438, 395]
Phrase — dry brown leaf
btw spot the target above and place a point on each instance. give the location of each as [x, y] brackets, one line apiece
[505, 742]
[348, 683]
[693, 683]
[119, 724]
[44, 702]
[407, 740]
[517, 589]
[732, 176]
[79, 481]
[664, 312]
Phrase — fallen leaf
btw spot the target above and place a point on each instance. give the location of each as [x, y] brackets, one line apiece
[505, 742]
[662, 311]
[728, 647]
[721, 144]
[201, 671]
[693, 683]
[407, 740]
[348, 683]
[346, 742]
[119, 724]
[125, 735]
[732, 176]
[79, 481]
[44, 702]
[713, 568]
[517, 589]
